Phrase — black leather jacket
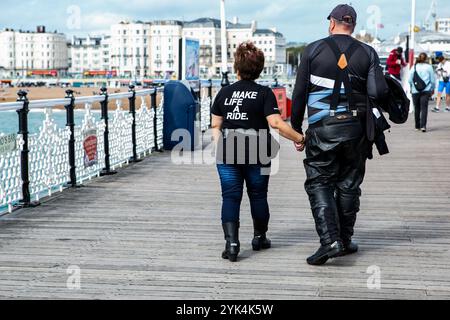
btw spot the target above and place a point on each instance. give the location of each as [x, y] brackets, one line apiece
[315, 79]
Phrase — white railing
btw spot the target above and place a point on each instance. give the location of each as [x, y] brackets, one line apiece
[56, 157]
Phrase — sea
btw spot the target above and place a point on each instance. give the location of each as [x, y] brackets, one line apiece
[9, 120]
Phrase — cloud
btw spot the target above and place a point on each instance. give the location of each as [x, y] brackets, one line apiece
[102, 22]
[299, 20]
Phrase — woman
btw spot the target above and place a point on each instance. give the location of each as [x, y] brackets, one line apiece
[421, 96]
[443, 72]
[242, 115]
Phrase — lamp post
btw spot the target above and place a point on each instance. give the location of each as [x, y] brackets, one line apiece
[413, 33]
[225, 80]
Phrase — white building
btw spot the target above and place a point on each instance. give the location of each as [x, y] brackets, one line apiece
[207, 30]
[273, 44]
[90, 55]
[130, 49]
[443, 25]
[426, 41]
[165, 48]
[27, 53]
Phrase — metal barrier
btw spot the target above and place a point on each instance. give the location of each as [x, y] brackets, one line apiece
[56, 158]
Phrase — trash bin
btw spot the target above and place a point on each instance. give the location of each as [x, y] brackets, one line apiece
[181, 111]
[280, 94]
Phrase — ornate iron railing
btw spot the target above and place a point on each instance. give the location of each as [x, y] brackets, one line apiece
[56, 157]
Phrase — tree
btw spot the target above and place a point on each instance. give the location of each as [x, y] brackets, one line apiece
[294, 54]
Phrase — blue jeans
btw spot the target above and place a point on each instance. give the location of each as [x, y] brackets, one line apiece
[232, 179]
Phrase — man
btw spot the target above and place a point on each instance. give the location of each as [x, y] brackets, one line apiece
[396, 62]
[336, 144]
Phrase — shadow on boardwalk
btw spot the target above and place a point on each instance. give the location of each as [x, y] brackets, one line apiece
[153, 232]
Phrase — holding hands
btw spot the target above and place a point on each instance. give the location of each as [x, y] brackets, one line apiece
[300, 144]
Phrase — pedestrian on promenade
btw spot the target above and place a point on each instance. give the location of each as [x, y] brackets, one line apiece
[396, 62]
[443, 73]
[242, 115]
[423, 83]
[336, 145]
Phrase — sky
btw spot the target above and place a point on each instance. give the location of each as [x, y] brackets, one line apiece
[298, 20]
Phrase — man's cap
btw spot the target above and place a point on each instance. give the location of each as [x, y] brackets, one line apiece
[344, 13]
[400, 50]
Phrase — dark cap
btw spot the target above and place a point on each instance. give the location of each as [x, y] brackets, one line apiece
[344, 13]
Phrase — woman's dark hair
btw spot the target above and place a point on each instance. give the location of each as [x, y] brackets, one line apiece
[422, 58]
[249, 61]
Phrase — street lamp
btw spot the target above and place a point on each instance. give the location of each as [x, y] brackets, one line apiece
[413, 32]
[225, 80]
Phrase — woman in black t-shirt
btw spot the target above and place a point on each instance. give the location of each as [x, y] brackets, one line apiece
[243, 114]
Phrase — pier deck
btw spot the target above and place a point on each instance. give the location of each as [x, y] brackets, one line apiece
[153, 232]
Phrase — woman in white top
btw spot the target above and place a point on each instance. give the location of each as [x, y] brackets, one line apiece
[443, 72]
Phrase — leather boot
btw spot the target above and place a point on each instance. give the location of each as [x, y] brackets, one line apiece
[350, 247]
[325, 253]
[348, 207]
[233, 246]
[260, 240]
[328, 231]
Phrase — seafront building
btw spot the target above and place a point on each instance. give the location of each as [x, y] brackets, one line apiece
[33, 53]
[90, 56]
[426, 41]
[443, 25]
[165, 48]
[135, 50]
[130, 49]
[207, 30]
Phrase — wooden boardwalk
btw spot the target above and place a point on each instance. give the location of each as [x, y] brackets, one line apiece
[153, 232]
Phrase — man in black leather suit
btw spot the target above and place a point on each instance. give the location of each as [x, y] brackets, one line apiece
[336, 76]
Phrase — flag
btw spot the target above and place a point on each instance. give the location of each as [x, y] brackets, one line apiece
[380, 26]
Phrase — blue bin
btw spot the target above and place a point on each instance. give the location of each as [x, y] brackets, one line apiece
[181, 111]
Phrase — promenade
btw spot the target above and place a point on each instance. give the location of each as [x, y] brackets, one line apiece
[153, 232]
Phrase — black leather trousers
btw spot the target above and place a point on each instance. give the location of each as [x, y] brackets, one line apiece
[335, 169]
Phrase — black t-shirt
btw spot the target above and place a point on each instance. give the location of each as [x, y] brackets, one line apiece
[246, 105]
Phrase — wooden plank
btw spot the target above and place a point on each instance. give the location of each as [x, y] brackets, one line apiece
[153, 232]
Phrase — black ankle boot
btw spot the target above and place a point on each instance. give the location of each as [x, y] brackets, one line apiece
[260, 240]
[233, 246]
[325, 253]
[350, 247]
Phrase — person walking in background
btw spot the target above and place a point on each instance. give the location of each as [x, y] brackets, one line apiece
[336, 144]
[396, 62]
[443, 73]
[242, 115]
[423, 82]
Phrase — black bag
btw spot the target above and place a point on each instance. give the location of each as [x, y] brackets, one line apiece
[395, 103]
[446, 79]
[418, 81]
